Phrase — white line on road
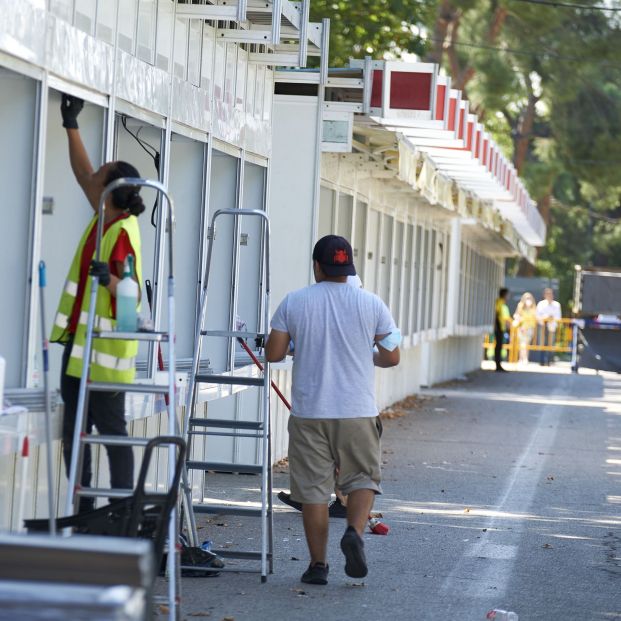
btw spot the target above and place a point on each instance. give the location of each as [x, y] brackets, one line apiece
[490, 581]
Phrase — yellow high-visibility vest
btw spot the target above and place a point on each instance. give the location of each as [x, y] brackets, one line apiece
[111, 360]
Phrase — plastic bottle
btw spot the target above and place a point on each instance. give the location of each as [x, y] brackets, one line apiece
[127, 299]
[206, 545]
[501, 615]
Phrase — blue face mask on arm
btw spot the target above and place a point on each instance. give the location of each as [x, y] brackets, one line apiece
[392, 340]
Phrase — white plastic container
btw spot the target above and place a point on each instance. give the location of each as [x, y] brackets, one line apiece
[127, 300]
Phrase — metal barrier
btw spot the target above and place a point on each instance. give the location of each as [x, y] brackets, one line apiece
[559, 341]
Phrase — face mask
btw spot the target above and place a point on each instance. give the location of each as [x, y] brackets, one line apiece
[391, 341]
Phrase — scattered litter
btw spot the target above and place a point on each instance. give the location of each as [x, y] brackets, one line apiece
[164, 609]
[485, 530]
[467, 510]
[295, 558]
[299, 592]
[546, 545]
[228, 618]
[401, 408]
[203, 613]
[440, 410]
[355, 584]
[550, 477]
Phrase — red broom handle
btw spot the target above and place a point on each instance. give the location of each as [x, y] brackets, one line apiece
[258, 363]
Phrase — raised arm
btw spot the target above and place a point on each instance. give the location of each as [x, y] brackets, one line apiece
[80, 163]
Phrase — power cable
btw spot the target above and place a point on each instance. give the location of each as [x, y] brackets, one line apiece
[531, 53]
[152, 152]
[570, 5]
[592, 214]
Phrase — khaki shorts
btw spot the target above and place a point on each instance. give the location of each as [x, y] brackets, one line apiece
[320, 446]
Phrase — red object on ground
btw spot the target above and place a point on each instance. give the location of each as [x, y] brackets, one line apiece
[377, 527]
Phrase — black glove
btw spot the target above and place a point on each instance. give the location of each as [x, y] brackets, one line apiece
[70, 108]
[259, 341]
[102, 271]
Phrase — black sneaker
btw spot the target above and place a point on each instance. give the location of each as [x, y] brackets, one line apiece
[337, 509]
[316, 574]
[286, 498]
[353, 549]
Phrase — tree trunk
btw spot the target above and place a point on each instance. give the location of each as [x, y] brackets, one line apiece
[524, 131]
[446, 13]
[544, 206]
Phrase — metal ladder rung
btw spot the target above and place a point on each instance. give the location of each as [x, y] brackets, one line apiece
[227, 510]
[225, 434]
[107, 492]
[132, 336]
[115, 440]
[231, 334]
[235, 380]
[146, 389]
[102, 492]
[224, 467]
[220, 423]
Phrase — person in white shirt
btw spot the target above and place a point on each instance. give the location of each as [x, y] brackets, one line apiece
[333, 432]
[548, 313]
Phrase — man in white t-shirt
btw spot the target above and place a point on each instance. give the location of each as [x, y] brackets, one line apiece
[333, 435]
[548, 313]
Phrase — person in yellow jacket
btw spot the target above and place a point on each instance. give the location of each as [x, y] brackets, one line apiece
[502, 323]
[525, 320]
[111, 360]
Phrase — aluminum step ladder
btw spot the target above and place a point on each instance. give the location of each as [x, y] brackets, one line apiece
[81, 439]
[195, 425]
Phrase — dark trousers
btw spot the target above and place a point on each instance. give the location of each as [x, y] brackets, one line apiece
[106, 411]
[499, 337]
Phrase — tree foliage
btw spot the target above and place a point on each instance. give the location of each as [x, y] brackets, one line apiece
[375, 28]
[547, 82]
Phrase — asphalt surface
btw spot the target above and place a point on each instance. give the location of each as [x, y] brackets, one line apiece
[501, 491]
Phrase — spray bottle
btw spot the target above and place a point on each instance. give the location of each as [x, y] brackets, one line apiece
[127, 299]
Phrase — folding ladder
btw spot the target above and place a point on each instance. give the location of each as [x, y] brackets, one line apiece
[195, 425]
[81, 439]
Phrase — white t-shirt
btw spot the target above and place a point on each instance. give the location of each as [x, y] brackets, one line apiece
[333, 327]
[549, 310]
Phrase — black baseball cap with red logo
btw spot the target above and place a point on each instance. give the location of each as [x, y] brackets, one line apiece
[335, 256]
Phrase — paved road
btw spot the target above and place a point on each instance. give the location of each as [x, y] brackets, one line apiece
[501, 491]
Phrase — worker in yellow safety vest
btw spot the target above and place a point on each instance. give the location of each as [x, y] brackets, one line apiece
[502, 323]
[111, 360]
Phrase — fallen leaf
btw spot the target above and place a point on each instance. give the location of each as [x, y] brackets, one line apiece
[550, 477]
[228, 619]
[203, 613]
[164, 609]
[466, 510]
[300, 592]
[485, 530]
[355, 584]
[295, 558]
